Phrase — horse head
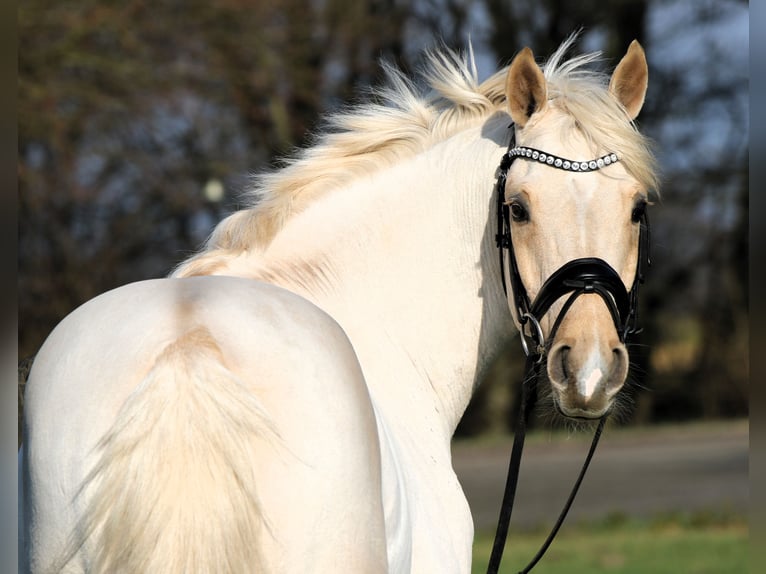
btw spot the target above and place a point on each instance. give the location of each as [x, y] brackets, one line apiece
[575, 205]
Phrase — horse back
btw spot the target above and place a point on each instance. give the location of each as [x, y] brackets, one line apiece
[207, 424]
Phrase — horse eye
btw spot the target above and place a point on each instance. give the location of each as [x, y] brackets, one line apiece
[638, 212]
[518, 213]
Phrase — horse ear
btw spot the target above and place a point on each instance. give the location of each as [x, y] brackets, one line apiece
[525, 88]
[630, 78]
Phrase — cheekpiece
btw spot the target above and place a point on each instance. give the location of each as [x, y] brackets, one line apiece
[560, 162]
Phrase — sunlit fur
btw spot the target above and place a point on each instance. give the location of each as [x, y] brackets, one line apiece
[597, 115]
[403, 122]
[188, 397]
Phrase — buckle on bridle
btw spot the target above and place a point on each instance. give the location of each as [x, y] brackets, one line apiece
[537, 336]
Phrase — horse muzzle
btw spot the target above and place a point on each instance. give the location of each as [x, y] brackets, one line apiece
[586, 374]
[586, 358]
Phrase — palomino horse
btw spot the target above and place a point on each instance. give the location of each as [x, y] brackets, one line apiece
[284, 402]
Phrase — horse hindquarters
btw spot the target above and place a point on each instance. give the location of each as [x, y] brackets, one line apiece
[246, 444]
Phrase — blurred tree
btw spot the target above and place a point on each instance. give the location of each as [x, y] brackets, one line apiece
[697, 297]
[128, 110]
[544, 25]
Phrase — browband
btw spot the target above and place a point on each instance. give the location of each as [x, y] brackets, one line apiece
[560, 162]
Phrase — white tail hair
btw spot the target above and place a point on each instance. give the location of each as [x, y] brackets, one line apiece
[173, 490]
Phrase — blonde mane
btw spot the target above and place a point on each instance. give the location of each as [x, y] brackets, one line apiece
[403, 121]
[583, 94]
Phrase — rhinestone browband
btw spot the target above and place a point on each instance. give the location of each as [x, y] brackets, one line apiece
[560, 162]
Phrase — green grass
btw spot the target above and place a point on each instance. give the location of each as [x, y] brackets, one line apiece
[698, 544]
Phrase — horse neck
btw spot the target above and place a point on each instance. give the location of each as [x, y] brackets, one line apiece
[406, 264]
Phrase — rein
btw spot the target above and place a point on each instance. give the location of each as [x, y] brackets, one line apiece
[577, 277]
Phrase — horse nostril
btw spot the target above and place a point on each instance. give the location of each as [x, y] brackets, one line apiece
[558, 369]
[619, 368]
[564, 356]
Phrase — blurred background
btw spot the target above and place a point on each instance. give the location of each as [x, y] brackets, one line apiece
[140, 123]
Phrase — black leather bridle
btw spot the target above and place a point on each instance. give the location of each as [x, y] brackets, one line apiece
[577, 277]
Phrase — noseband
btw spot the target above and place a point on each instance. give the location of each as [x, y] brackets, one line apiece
[586, 275]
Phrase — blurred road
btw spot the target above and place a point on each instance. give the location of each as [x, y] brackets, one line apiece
[637, 472]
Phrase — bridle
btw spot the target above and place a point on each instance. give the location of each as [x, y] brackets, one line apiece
[579, 276]
[587, 275]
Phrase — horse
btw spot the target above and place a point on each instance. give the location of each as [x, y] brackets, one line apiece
[285, 399]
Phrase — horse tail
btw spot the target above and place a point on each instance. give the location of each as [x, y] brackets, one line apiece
[173, 489]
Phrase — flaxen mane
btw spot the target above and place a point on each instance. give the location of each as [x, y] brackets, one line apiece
[404, 121]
